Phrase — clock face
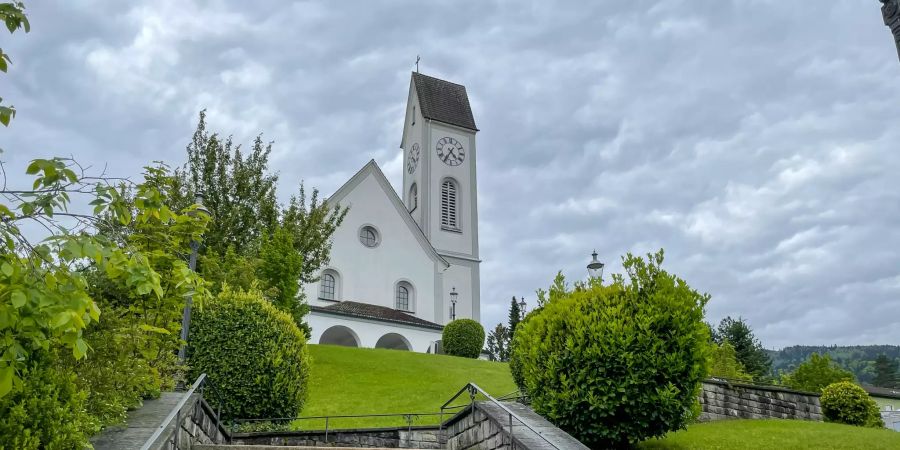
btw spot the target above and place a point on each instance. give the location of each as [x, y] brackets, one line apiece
[450, 151]
[413, 159]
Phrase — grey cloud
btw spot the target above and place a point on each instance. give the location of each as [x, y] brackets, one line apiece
[754, 140]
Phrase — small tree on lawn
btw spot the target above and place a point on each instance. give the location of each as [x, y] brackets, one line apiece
[723, 363]
[816, 373]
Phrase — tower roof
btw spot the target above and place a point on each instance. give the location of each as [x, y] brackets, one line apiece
[444, 101]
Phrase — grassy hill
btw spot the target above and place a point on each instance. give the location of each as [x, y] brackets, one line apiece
[347, 381]
[769, 434]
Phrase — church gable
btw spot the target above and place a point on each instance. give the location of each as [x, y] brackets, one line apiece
[358, 188]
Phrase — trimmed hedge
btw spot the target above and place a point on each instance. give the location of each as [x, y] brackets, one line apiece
[614, 365]
[463, 337]
[254, 354]
[48, 412]
[845, 402]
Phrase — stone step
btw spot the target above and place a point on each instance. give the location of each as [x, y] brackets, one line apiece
[279, 447]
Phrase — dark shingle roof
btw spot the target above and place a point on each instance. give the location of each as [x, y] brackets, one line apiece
[882, 392]
[375, 312]
[444, 101]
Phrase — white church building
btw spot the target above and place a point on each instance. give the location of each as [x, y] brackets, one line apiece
[404, 265]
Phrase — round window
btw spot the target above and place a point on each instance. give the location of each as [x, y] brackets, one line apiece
[368, 235]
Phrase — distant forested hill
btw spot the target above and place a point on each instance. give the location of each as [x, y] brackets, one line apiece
[859, 359]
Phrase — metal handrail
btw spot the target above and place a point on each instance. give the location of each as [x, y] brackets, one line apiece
[176, 412]
[409, 417]
[474, 390]
[352, 416]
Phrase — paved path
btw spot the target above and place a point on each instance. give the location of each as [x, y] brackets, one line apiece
[140, 424]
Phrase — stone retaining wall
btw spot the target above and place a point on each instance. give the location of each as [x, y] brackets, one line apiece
[723, 400]
[406, 437]
[487, 426]
[198, 426]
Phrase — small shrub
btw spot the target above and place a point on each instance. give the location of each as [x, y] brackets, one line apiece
[254, 354]
[846, 402]
[614, 365]
[463, 337]
[723, 363]
[815, 374]
[116, 374]
[48, 412]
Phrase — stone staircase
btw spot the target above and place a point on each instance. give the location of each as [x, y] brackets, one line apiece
[279, 447]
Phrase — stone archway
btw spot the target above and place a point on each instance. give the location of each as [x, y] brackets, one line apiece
[339, 335]
[393, 341]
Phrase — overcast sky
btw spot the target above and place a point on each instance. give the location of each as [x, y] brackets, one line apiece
[758, 142]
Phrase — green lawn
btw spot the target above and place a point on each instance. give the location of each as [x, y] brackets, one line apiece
[347, 381]
[775, 434]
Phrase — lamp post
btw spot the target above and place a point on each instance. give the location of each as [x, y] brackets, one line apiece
[595, 267]
[192, 263]
[890, 10]
[522, 307]
[453, 296]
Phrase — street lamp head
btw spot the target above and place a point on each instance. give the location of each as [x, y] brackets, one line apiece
[453, 295]
[522, 304]
[595, 267]
[198, 200]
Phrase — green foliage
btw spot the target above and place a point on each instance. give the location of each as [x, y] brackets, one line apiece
[254, 354]
[498, 343]
[614, 365]
[723, 363]
[463, 337]
[45, 300]
[251, 233]
[47, 412]
[280, 267]
[515, 316]
[273, 269]
[237, 190]
[815, 374]
[116, 375]
[124, 259]
[313, 223]
[859, 359]
[846, 402]
[13, 16]
[750, 352]
[886, 372]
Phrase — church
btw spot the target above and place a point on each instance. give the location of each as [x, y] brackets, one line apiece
[404, 265]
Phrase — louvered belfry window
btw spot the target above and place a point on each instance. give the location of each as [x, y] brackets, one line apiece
[449, 205]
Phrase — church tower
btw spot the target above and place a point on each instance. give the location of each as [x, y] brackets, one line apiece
[440, 185]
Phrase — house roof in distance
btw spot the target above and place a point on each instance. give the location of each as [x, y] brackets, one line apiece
[444, 101]
[375, 312]
[882, 392]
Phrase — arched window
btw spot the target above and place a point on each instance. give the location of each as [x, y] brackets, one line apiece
[405, 296]
[413, 197]
[328, 286]
[449, 205]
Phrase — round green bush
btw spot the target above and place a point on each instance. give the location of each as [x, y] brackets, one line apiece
[463, 337]
[845, 402]
[614, 365]
[254, 354]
